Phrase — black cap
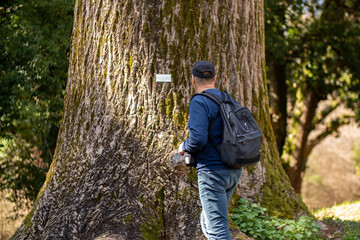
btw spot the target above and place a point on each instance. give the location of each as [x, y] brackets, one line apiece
[203, 66]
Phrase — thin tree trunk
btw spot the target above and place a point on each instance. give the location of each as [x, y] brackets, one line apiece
[278, 102]
[111, 175]
[305, 144]
[297, 166]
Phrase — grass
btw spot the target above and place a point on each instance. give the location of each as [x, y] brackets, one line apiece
[345, 217]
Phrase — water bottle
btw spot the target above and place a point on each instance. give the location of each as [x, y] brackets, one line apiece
[187, 158]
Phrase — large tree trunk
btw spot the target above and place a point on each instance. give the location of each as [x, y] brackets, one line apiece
[111, 175]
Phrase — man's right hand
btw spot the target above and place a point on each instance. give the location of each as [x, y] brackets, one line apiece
[180, 150]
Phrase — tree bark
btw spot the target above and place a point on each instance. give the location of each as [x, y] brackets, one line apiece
[111, 176]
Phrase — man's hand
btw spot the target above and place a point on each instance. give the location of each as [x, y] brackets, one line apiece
[181, 151]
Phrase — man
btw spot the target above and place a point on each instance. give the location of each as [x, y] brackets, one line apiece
[216, 181]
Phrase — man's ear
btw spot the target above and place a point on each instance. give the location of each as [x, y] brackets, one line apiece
[193, 80]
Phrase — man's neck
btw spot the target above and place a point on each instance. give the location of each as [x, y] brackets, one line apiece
[203, 88]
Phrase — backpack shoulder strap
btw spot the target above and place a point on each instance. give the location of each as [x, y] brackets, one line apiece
[218, 101]
[227, 97]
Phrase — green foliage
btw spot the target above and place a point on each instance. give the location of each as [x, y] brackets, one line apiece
[253, 221]
[312, 48]
[34, 42]
[319, 42]
[330, 50]
[352, 230]
[22, 171]
[283, 29]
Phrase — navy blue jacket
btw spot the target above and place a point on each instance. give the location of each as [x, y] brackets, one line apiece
[202, 112]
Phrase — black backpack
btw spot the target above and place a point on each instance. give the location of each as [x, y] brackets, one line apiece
[241, 145]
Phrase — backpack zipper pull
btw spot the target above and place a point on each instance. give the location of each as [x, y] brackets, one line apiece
[245, 124]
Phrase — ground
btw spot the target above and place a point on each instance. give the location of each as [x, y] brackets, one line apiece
[323, 190]
[338, 220]
[320, 189]
[7, 224]
[332, 230]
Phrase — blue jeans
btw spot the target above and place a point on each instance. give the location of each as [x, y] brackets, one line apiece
[215, 190]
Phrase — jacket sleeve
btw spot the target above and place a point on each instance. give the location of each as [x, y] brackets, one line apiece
[198, 126]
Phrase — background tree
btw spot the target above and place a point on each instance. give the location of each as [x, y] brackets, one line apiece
[356, 157]
[318, 45]
[34, 45]
[111, 174]
[278, 48]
